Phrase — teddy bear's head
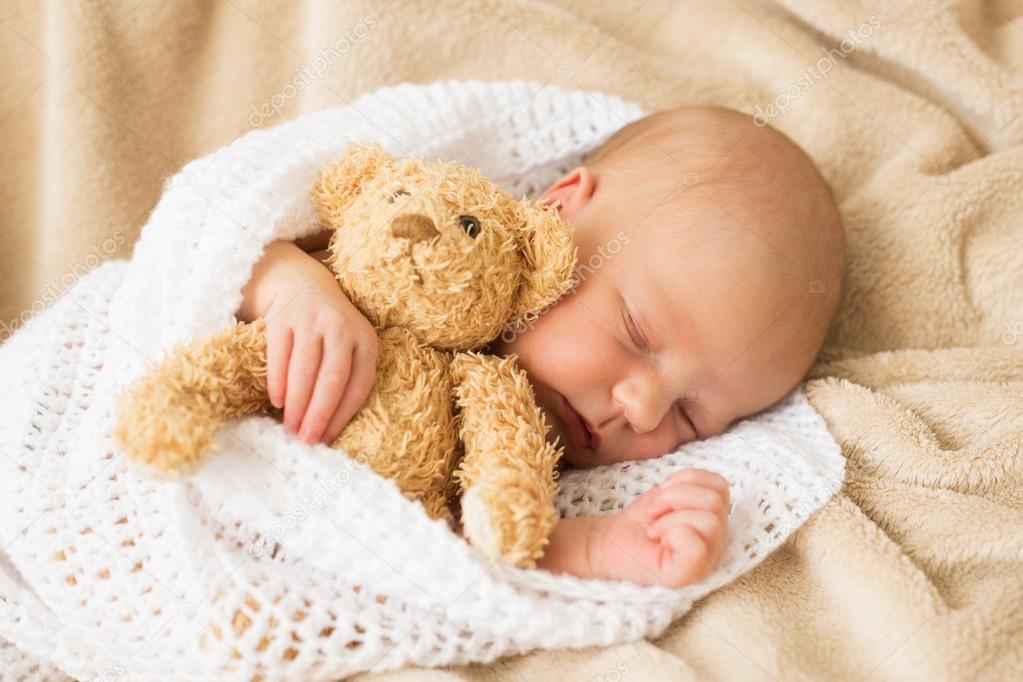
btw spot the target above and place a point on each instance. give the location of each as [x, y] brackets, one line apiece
[439, 249]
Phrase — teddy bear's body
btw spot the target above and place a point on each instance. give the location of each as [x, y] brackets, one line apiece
[441, 261]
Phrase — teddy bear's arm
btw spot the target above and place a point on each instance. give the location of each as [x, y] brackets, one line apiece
[509, 469]
[167, 418]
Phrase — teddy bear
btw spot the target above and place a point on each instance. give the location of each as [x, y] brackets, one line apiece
[440, 260]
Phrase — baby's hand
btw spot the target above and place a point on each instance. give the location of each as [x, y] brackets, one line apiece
[321, 358]
[672, 535]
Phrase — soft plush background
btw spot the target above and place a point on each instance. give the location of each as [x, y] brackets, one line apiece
[913, 571]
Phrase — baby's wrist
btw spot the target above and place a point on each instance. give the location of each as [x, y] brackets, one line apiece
[575, 547]
[312, 285]
[284, 272]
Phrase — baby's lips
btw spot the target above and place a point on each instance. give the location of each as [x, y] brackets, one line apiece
[578, 428]
[594, 437]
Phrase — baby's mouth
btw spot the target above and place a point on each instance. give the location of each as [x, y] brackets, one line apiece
[578, 430]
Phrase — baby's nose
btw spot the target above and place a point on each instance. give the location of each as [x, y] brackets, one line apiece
[415, 227]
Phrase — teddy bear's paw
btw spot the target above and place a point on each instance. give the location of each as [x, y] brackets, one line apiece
[169, 444]
[478, 526]
[507, 523]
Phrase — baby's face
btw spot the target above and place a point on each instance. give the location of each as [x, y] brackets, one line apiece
[667, 338]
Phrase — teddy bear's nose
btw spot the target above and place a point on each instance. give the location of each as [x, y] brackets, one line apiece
[414, 226]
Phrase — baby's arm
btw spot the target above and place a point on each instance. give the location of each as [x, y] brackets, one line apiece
[284, 268]
[671, 536]
[321, 350]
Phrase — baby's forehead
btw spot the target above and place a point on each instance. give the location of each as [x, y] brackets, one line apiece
[691, 249]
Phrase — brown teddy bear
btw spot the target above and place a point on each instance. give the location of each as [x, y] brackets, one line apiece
[440, 260]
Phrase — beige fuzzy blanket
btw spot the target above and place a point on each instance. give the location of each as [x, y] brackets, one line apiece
[914, 110]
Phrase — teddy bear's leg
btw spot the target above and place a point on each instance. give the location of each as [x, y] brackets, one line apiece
[405, 429]
[168, 417]
[508, 471]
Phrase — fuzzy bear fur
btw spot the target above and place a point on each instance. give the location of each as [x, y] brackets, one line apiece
[441, 418]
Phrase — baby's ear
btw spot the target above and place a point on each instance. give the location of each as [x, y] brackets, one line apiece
[341, 182]
[549, 259]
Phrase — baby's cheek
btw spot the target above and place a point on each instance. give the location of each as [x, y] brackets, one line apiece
[533, 347]
[655, 444]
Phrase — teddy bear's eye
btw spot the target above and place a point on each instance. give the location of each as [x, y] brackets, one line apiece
[398, 193]
[470, 225]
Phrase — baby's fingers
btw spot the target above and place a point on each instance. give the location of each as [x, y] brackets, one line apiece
[302, 370]
[330, 383]
[686, 496]
[360, 382]
[278, 350]
[684, 556]
[708, 524]
[701, 477]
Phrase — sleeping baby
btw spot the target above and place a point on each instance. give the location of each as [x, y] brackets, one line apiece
[710, 267]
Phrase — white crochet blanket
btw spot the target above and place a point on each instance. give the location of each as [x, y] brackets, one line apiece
[286, 560]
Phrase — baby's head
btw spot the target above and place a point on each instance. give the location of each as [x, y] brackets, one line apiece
[710, 265]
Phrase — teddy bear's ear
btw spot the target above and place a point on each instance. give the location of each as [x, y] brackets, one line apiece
[341, 182]
[550, 259]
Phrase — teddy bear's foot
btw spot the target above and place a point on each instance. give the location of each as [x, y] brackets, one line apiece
[165, 436]
[508, 522]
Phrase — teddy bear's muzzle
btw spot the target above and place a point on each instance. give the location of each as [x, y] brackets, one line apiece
[415, 227]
